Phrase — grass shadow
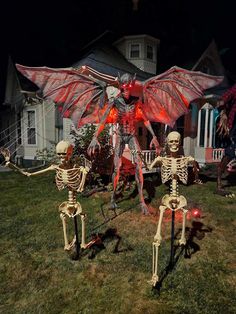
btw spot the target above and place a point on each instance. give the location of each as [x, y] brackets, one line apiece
[101, 241]
[197, 231]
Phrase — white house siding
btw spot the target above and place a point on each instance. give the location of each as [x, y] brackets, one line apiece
[44, 128]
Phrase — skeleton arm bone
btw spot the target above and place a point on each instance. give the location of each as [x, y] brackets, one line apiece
[157, 160]
[14, 167]
[52, 167]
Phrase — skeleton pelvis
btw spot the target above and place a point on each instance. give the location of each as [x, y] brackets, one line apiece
[174, 203]
[69, 209]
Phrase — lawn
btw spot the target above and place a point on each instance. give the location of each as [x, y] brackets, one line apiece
[38, 276]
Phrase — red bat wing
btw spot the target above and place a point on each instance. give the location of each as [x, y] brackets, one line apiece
[167, 96]
[81, 95]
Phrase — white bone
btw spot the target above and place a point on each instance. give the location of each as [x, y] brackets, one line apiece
[174, 168]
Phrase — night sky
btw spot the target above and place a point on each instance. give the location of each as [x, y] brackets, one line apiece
[37, 33]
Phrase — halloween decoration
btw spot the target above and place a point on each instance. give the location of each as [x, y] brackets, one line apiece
[227, 130]
[84, 93]
[71, 175]
[174, 168]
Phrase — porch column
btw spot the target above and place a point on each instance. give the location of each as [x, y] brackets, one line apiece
[206, 127]
[211, 128]
[198, 128]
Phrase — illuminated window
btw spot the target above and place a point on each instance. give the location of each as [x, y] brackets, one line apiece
[150, 52]
[134, 50]
[31, 130]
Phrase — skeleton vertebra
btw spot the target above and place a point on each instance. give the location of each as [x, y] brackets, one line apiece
[174, 168]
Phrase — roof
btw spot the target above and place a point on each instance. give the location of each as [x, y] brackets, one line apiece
[107, 59]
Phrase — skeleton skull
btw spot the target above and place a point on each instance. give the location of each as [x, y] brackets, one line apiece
[173, 141]
[126, 83]
[63, 150]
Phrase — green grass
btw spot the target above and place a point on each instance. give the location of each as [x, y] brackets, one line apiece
[38, 276]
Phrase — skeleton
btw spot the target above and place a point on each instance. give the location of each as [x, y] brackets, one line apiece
[68, 175]
[174, 168]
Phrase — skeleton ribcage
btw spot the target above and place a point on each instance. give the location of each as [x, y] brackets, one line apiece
[174, 166]
[69, 178]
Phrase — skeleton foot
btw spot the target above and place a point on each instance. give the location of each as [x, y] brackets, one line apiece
[69, 246]
[182, 241]
[144, 209]
[154, 280]
[224, 193]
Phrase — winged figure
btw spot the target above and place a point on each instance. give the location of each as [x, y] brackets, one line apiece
[84, 95]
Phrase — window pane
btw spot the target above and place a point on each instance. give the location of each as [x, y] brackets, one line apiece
[31, 136]
[134, 51]
[149, 52]
[31, 119]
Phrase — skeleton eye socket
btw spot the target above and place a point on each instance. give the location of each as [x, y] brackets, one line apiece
[61, 154]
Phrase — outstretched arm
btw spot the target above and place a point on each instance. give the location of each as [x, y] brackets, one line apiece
[95, 143]
[156, 161]
[154, 141]
[6, 154]
[52, 167]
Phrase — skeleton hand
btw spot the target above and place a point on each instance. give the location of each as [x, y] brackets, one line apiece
[26, 173]
[93, 146]
[6, 153]
[155, 143]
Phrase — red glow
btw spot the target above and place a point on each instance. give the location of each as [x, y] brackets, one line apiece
[112, 116]
[139, 114]
[196, 213]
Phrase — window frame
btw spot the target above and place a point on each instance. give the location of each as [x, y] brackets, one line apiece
[139, 50]
[28, 127]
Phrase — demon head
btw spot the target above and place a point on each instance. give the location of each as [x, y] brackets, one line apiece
[126, 83]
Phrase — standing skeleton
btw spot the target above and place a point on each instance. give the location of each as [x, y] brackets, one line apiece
[174, 168]
[68, 175]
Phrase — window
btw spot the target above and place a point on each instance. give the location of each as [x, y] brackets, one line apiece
[150, 52]
[134, 50]
[31, 130]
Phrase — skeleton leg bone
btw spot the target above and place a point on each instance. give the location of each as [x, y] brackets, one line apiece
[63, 219]
[182, 240]
[156, 243]
[83, 244]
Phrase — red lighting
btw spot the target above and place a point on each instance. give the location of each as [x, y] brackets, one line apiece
[196, 213]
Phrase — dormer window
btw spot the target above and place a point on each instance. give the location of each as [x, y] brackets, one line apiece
[150, 53]
[134, 50]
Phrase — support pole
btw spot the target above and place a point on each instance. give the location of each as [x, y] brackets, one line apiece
[171, 264]
[76, 236]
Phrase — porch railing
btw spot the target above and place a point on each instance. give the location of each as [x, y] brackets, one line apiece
[217, 154]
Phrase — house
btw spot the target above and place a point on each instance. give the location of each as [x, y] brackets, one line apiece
[199, 125]
[30, 124]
